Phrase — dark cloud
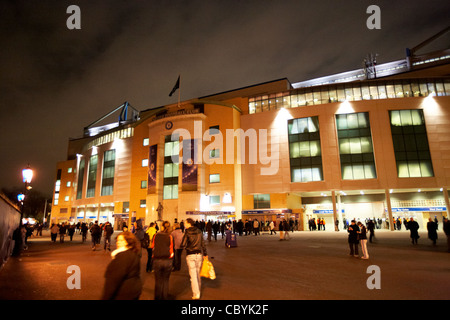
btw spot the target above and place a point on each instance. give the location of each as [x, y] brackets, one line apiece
[55, 81]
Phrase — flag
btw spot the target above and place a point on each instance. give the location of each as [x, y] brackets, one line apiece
[177, 85]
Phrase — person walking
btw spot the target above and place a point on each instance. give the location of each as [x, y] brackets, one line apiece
[413, 227]
[54, 232]
[83, 229]
[362, 233]
[177, 235]
[256, 227]
[446, 227]
[95, 234]
[108, 232]
[371, 229]
[272, 227]
[62, 232]
[195, 253]
[151, 231]
[352, 230]
[122, 275]
[162, 246]
[432, 231]
[71, 231]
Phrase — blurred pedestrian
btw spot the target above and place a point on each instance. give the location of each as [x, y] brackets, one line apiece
[447, 232]
[162, 246]
[195, 253]
[352, 230]
[432, 231]
[371, 229]
[96, 233]
[151, 231]
[62, 232]
[108, 233]
[54, 232]
[362, 234]
[122, 276]
[177, 238]
[413, 227]
[71, 231]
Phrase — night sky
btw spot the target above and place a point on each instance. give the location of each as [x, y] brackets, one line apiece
[55, 81]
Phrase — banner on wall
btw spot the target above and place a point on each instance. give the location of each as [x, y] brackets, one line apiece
[151, 184]
[190, 169]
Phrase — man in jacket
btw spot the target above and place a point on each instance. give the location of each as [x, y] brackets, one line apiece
[108, 232]
[353, 238]
[195, 253]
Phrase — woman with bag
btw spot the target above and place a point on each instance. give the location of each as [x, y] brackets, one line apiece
[195, 253]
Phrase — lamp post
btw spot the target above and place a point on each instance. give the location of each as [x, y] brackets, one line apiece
[27, 176]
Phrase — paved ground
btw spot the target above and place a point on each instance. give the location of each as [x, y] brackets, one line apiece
[311, 266]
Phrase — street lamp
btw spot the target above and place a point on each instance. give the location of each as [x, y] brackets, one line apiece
[27, 176]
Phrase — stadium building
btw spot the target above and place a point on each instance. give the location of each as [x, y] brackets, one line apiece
[368, 143]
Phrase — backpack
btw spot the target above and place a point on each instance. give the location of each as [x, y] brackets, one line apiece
[145, 243]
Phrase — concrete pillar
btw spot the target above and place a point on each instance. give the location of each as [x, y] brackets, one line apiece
[388, 202]
[341, 219]
[447, 203]
[333, 199]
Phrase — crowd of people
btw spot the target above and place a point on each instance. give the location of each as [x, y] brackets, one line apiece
[165, 244]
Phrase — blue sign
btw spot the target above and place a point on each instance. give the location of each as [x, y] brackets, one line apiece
[418, 209]
[325, 211]
[267, 211]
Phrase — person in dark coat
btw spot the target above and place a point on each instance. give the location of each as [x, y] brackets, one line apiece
[413, 227]
[353, 238]
[446, 223]
[123, 275]
[432, 231]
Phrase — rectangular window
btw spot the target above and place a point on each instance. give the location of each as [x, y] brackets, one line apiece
[143, 204]
[92, 176]
[355, 146]
[171, 152]
[143, 184]
[215, 153]
[304, 150]
[109, 162]
[214, 200]
[214, 178]
[80, 179]
[126, 207]
[145, 142]
[409, 137]
[261, 201]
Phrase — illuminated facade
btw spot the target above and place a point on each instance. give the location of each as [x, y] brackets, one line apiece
[339, 147]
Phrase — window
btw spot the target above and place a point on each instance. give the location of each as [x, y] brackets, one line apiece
[214, 200]
[80, 179]
[355, 146]
[214, 178]
[92, 176]
[304, 150]
[68, 184]
[409, 137]
[109, 162]
[214, 130]
[143, 204]
[143, 184]
[145, 142]
[215, 153]
[66, 198]
[171, 153]
[261, 201]
[69, 170]
[145, 163]
[126, 207]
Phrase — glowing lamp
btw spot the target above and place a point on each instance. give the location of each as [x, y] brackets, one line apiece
[20, 197]
[27, 175]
